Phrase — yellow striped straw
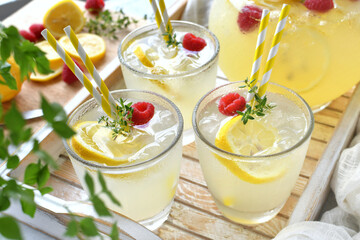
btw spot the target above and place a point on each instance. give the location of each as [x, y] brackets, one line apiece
[89, 65]
[265, 16]
[274, 48]
[161, 16]
[78, 73]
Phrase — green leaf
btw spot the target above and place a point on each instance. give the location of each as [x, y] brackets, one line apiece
[52, 111]
[44, 176]
[90, 184]
[31, 173]
[2, 181]
[28, 204]
[43, 65]
[4, 202]
[102, 181]
[62, 129]
[44, 156]
[14, 120]
[13, 162]
[5, 49]
[114, 232]
[45, 190]
[99, 206]
[5, 73]
[9, 228]
[112, 198]
[88, 227]
[72, 229]
[3, 152]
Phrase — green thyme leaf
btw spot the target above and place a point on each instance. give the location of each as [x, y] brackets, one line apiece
[171, 37]
[9, 228]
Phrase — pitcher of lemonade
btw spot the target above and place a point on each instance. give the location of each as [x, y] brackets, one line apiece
[319, 52]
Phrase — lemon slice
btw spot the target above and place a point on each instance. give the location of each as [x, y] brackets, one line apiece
[251, 139]
[38, 77]
[142, 57]
[93, 45]
[62, 14]
[54, 58]
[94, 142]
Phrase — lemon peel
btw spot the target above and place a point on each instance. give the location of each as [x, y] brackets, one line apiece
[140, 54]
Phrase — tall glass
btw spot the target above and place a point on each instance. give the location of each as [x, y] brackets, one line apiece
[145, 189]
[184, 88]
[252, 188]
[317, 48]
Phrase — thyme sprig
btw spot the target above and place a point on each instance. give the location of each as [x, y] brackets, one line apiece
[171, 37]
[106, 25]
[259, 108]
[122, 125]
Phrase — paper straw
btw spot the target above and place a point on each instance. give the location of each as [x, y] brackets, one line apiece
[89, 65]
[78, 73]
[161, 17]
[265, 16]
[274, 48]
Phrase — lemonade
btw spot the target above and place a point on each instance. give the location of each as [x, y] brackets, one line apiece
[318, 54]
[181, 75]
[141, 169]
[251, 169]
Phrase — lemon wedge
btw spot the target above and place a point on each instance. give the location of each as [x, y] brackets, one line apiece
[94, 142]
[62, 14]
[142, 57]
[54, 58]
[38, 77]
[93, 45]
[252, 139]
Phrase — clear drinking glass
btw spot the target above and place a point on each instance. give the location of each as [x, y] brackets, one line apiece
[252, 188]
[146, 188]
[183, 88]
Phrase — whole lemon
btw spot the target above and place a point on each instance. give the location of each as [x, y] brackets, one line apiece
[5, 92]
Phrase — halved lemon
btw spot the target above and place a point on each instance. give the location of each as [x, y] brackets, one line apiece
[253, 139]
[142, 57]
[54, 58]
[62, 14]
[38, 77]
[94, 142]
[93, 45]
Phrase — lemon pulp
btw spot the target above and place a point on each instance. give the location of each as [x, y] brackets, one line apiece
[94, 142]
[253, 139]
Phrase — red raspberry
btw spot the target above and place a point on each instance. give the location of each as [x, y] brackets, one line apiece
[143, 112]
[28, 35]
[319, 5]
[94, 6]
[193, 43]
[231, 103]
[36, 29]
[68, 76]
[249, 18]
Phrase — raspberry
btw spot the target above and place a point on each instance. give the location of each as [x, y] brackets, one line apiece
[249, 18]
[94, 6]
[68, 76]
[36, 29]
[193, 43]
[28, 35]
[319, 5]
[143, 112]
[231, 103]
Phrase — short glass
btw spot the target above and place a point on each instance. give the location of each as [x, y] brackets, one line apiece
[184, 88]
[252, 189]
[145, 189]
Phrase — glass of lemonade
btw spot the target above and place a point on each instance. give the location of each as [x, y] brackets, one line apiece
[251, 169]
[181, 75]
[142, 169]
[319, 51]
